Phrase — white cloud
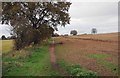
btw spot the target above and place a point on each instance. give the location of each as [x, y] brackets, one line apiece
[86, 15]
[93, 0]
[4, 30]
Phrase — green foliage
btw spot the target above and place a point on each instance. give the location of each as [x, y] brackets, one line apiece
[34, 22]
[77, 70]
[54, 73]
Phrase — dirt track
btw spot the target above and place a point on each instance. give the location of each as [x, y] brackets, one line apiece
[54, 64]
[52, 56]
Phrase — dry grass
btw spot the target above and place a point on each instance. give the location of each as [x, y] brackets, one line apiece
[78, 51]
[6, 45]
[108, 36]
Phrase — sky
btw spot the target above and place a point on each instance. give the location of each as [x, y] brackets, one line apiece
[85, 15]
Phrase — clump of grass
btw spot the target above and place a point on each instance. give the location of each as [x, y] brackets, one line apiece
[109, 65]
[54, 73]
[76, 70]
[98, 56]
[101, 60]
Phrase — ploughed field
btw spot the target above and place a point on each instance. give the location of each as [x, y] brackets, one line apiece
[98, 53]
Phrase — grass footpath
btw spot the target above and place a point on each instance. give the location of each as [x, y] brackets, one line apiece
[33, 61]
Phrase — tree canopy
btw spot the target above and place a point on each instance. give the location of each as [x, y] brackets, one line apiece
[33, 22]
[3, 37]
[94, 31]
[73, 32]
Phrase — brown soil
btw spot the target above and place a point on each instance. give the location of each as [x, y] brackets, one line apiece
[52, 54]
[75, 51]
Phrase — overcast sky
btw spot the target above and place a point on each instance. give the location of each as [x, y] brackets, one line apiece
[87, 15]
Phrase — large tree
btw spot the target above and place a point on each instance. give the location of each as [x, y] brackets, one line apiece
[34, 21]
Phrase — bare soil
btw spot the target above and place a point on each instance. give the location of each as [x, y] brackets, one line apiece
[75, 50]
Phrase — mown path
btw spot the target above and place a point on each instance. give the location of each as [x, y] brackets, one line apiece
[55, 65]
[52, 54]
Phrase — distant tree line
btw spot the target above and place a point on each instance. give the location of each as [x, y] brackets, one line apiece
[55, 35]
[74, 32]
[3, 37]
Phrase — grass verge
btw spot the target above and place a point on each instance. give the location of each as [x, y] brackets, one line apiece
[77, 70]
[33, 61]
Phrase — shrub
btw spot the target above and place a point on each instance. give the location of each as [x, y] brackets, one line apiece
[76, 70]
[73, 32]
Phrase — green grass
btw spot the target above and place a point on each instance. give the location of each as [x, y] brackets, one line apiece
[32, 61]
[38, 64]
[76, 70]
[109, 65]
[98, 56]
[101, 60]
